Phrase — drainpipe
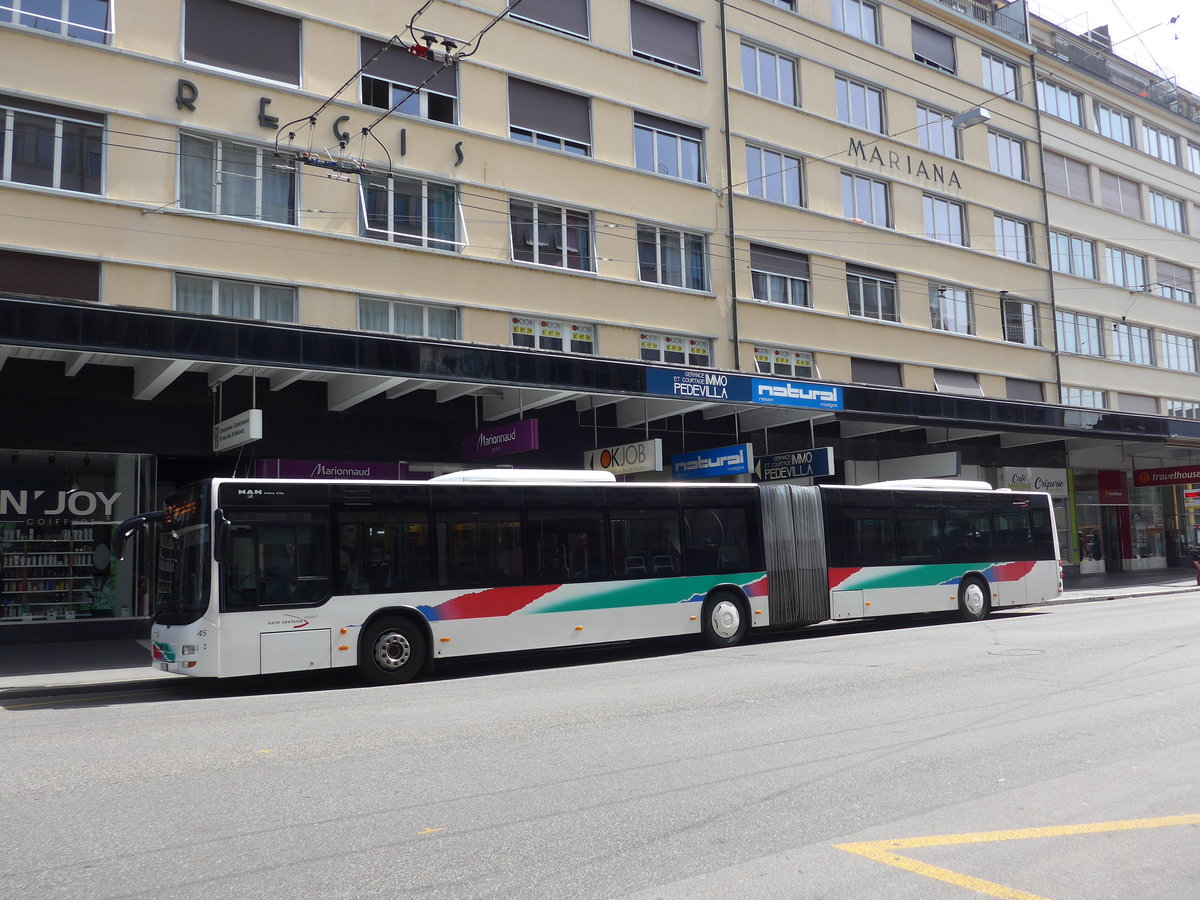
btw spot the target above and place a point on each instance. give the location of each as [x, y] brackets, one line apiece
[733, 294]
[1046, 217]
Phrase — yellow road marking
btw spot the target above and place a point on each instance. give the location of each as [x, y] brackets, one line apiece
[430, 830]
[880, 850]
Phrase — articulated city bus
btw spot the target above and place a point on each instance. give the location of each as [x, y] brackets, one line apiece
[261, 576]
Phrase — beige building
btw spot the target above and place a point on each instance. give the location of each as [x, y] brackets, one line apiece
[389, 226]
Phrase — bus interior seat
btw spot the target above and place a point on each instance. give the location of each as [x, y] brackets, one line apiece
[663, 564]
[635, 565]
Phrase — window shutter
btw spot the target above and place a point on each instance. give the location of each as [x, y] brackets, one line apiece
[1173, 275]
[57, 277]
[397, 64]
[549, 111]
[874, 371]
[243, 38]
[947, 381]
[932, 45]
[1136, 403]
[666, 36]
[1020, 389]
[778, 262]
[566, 15]
[668, 125]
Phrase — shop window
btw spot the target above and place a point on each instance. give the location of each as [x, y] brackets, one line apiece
[402, 82]
[552, 334]
[675, 349]
[780, 361]
[242, 38]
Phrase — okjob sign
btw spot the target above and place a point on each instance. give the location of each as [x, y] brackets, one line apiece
[797, 464]
[733, 460]
[626, 459]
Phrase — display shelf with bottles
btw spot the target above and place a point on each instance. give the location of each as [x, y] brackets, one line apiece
[49, 573]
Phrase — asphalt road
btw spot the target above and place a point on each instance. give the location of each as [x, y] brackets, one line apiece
[1042, 753]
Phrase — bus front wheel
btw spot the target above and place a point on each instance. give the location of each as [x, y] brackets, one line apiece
[974, 602]
[392, 651]
[723, 620]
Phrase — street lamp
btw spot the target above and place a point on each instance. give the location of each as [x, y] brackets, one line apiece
[976, 116]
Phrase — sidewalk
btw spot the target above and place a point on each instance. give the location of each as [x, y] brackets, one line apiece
[90, 666]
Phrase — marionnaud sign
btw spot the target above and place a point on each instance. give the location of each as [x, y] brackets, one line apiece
[238, 430]
[796, 394]
[516, 437]
[797, 464]
[330, 468]
[626, 459]
[733, 460]
[691, 384]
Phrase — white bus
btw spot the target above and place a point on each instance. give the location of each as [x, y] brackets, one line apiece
[260, 576]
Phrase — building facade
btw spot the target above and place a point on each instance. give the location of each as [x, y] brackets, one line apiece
[937, 236]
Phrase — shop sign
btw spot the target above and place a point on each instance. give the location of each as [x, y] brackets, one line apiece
[1191, 499]
[237, 430]
[501, 440]
[327, 468]
[732, 460]
[690, 384]
[36, 507]
[1027, 478]
[796, 394]
[797, 464]
[1112, 486]
[626, 459]
[1171, 475]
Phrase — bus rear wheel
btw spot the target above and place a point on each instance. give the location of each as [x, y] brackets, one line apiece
[392, 651]
[723, 620]
[974, 601]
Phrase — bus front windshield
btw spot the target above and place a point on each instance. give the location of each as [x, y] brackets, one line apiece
[184, 559]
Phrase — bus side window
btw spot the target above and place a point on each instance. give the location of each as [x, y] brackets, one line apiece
[645, 543]
[241, 586]
[566, 546]
[479, 549]
[277, 563]
[716, 541]
[382, 551]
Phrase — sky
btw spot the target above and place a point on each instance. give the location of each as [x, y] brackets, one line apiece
[1141, 31]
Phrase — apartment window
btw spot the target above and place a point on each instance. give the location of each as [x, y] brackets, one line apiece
[936, 133]
[87, 20]
[788, 363]
[550, 334]
[1167, 211]
[1125, 268]
[1078, 333]
[1060, 102]
[243, 38]
[779, 276]
[1120, 195]
[1013, 239]
[549, 118]
[774, 176]
[667, 256]
[1112, 123]
[1068, 177]
[1193, 157]
[858, 18]
[1174, 282]
[664, 37]
[568, 16]
[551, 235]
[1183, 409]
[1022, 324]
[1000, 77]
[784, 4]
[950, 309]
[871, 293]
[768, 74]
[1176, 351]
[1131, 344]
[1160, 144]
[1072, 255]
[681, 351]
[51, 146]
[949, 381]
[240, 299]
[1023, 389]
[410, 211]
[945, 220]
[41, 275]
[404, 317]
[667, 148]
[234, 179]
[391, 78]
[1007, 155]
[875, 371]
[932, 47]
[860, 105]
[865, 200]
[1085, 397]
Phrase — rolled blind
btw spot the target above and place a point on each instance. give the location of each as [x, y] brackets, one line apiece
[549, 111]
[778, 262]
[874, 371]
[59, 277]
[243, 38]
[565, 15]
[665, 36]
[933, 46]
[397, 64]
[1021, 389]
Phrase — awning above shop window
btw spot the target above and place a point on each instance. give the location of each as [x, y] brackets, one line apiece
[947, 381]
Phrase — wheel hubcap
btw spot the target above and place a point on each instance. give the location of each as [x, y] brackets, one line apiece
[392, 651]
[973, 599]
[726, 619]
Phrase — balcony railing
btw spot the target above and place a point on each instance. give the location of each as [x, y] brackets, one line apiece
[1010, 19]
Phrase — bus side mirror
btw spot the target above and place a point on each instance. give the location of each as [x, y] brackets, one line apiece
[220, 536]
[127, 528]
